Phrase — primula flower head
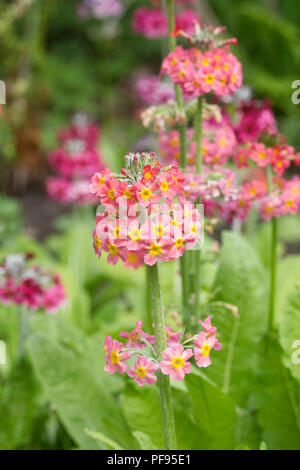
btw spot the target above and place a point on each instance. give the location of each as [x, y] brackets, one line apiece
[22, 283]
[138, 211]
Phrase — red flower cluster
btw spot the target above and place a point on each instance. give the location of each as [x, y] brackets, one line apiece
[143, 215]
[75, 161]
[24, 284]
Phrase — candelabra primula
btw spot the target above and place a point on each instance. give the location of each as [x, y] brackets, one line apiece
[153, 22]
[143, 216]
[138, 356]
[218, 143]
[23, 283]
[75, 161]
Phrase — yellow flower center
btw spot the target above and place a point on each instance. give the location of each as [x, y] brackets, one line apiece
[155, 249]
[113, 249]
[158, 230]
[101, 181]
[179, 242]
[223, 142]
[141, 372]
[114, 357]
[234, 78]
[148, 175]
[164, 186]
[111, 194]
[132, 257]
[127, 194]
[135, 234]
[177, 362]
[98, 243]
[205, 349]
[209, 78]
[289, 203]
[146, 193]
[261, 155]
[134, 337]
[205, 62]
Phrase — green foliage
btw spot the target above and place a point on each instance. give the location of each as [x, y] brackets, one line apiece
[81, 395]
[277, 400]
[241, 282]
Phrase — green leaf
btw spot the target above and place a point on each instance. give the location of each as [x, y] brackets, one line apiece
[81, 399]
[142, 411]
[213, 411]
[277, 400]
[241, 281]
[144, 440]
[289, 332]
[110, 444]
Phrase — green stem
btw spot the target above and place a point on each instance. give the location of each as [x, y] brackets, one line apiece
[184, 267]
[273, 263]
[148, 318]
[161, 345]
[273, 258]
[198, 135]
[24, 315]
[199, 158]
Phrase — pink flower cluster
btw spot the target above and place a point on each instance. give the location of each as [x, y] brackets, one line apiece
[218, 144]
[280, 156]
[24, 284]
[75, 161]
[252, 120]
[153, 22]
[100, 9]
[141, 346]
[197, 73]
[151, 90]
[139, 220]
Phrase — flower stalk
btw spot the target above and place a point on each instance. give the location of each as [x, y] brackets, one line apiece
[199, 161]
[183, 151]
[161, 345]
[273, 257]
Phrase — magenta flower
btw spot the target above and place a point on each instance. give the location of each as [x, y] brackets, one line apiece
[176, 363]
[143, 371]
[115, 358]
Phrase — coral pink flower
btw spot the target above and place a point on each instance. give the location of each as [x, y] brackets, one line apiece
[108, 344]
[176, 363]
[172, 338]
[143, 371]
[204, 344]
[134, 337]
[115, 358]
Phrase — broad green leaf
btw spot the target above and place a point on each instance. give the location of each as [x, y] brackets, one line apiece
[241, 281]
[289, 332]
[77, 393]
[277, 400]
[109, 443]
[141, 409]
[213, 411]
[144, 440]
[288, 275]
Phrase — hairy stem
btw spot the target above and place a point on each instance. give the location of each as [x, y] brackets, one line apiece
[184, 267]
[161, 345]
[273, 265]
